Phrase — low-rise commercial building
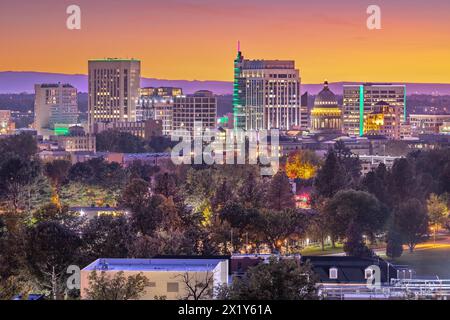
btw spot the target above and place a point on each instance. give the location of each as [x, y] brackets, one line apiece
[167, 277]
[7, 125]
[427, 123]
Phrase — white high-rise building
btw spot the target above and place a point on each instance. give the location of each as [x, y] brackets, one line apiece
[113, 90]
[266, 94]
[55, 108]
[360, 100]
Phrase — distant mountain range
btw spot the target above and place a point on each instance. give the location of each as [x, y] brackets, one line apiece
[18, 82]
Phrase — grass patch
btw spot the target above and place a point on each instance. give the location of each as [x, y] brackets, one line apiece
[429, 262]
[317, 250]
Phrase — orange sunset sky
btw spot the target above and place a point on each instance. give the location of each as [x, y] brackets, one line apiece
[196, 39]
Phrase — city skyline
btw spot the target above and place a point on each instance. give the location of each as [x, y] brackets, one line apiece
[331, 39]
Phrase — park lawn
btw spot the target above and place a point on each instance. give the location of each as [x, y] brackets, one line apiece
[317, 250]
[429, 262]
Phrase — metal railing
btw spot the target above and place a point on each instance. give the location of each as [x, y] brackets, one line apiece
[398, 289]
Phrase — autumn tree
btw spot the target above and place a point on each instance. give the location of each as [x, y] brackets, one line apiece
[302, 164]
[437, 211]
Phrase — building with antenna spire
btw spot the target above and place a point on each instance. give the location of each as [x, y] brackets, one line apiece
[266, 94]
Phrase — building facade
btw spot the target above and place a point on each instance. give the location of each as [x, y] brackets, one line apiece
[360, 100]
[7, 125]
[326, 116]
[55, 106]
[77, 143]
[427, 123]
[200, 107]
[143, 129]
[266, 94]
[384, 120]
[157, 104]
[167, 278]
[113, 90]
[305, 113]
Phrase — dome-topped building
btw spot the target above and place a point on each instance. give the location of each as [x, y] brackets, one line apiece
[326, 116]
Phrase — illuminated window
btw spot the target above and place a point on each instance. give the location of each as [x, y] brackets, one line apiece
[333, 273]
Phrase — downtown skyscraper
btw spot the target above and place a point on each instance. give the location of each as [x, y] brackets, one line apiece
[266, 94]
[113, 90]
[361, 100]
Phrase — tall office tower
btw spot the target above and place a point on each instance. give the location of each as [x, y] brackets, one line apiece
[198, 107]
[157, 104]
[360, 100]
[113, 90]
[55, 108]
[266, 94]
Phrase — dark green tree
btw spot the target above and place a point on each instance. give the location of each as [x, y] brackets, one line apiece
[354, 244]
[375, 182]
[116, 141]
[280, 279]
[251, 193]
[49, 250]
[394, 244]
[349, 161]
[15, 174]
[402, 183]
[279, 194]
[22, 146]
[141, 170]
[52, 212]
[411, 221]
[145, 212]
[166, 184]
[279, 226]
[330, 178]
[106, 237]
[57, 171]
[353, 211]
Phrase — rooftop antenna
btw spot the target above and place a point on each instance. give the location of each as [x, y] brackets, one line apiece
[239, 46]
